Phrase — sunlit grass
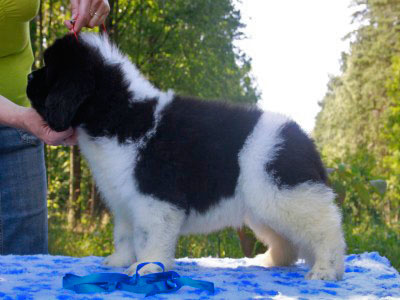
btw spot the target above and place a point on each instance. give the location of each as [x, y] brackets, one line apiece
[97, 240]
[375, 237]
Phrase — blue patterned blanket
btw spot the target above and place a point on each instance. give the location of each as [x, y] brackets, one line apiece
[368, 276]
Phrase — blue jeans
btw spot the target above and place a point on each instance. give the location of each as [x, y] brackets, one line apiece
[23, 207]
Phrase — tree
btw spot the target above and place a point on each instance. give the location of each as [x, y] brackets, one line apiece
[185, 45]
[358, 111]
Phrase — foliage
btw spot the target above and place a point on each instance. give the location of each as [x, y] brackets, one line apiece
[358, 129]
[359, 115]
[357, 100]
[357, 190]
[361, 196]
[391, 134]
[88, 240]
[57, 162]
[187, 45]
[91, 239]
[378, 237]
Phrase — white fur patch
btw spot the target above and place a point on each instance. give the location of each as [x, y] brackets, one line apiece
[227, 213]
[138, 84]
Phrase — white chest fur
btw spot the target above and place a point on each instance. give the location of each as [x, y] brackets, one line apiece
[112, 165]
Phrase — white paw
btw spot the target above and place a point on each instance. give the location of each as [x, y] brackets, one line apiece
[320, 273]
[118, 260]
[265, 260]
[147, 269]
[262, 260]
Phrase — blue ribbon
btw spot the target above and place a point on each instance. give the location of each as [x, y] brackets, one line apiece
[151, 284]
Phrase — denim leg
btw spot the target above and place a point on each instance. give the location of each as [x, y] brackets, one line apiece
[23, 205]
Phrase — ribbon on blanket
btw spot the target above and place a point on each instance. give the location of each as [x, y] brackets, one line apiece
[151, 284]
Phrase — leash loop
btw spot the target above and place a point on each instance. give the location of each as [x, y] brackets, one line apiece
[151, 284]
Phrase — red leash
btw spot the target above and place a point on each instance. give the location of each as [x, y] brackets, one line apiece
[104, 28]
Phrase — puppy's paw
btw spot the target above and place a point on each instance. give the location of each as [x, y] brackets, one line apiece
[118, 260]
[267, 260]
[263, 260]
[147, 269]
[319, 273]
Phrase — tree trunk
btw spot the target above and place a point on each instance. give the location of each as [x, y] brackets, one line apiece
[74, 187]
[96, 206]
[49, 26]
[41, 30]
[246, 241]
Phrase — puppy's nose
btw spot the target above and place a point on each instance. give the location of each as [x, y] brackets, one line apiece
[30, 77]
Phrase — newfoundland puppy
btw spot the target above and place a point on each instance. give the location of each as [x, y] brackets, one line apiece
[168, 165]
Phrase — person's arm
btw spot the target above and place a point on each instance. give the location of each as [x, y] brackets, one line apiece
[28, 119]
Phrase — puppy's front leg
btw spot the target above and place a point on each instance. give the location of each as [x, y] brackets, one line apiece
[156, 234]
[124, 254]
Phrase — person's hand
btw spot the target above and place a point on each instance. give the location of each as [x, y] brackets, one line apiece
[87, 13]
[31, 121]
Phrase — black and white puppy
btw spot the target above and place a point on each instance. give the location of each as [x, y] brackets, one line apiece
[168, 165]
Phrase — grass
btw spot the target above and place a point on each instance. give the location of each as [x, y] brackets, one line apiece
[374, 237]
[90, 240]
[97, 240]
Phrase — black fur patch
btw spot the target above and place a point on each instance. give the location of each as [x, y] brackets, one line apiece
[110, 110]
[297, 160]
[78, 87]
[192, 160]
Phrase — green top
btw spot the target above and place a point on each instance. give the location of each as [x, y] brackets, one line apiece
[16, 55]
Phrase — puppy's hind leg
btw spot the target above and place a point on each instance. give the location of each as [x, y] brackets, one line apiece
[312, 221]
[281, 252]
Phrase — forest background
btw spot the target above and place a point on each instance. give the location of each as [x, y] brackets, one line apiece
[189, 46]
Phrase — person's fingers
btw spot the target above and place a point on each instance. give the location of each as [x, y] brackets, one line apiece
[94, 20]
[75, 8]
[95, 6]
[74, 14]
[57, 138]
[99, 12]
[70, 24]
[34, 123]
[83, 16]
[87, 13]
[71, 140]
[103, 19]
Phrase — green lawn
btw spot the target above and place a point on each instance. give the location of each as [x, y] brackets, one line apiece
[379, 238]
[98, 241]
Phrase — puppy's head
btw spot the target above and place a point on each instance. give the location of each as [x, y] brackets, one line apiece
[59, 89]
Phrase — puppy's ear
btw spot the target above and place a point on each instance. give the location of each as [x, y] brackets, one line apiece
[65, 97]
